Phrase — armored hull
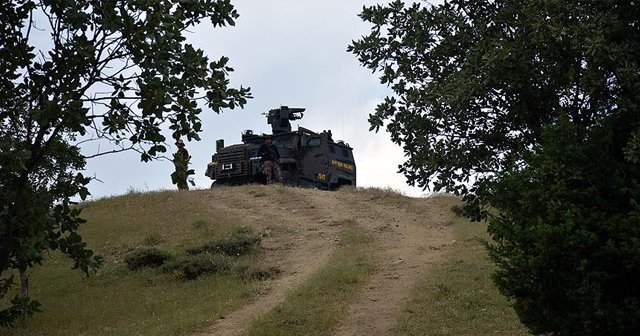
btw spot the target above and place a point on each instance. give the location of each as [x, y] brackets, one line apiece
[307, 158]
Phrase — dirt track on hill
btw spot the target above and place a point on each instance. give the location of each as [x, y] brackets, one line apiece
[302, 228]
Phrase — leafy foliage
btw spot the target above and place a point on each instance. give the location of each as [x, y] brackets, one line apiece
[530, 107]
[566, 238]
[475, 82]
[74, 72]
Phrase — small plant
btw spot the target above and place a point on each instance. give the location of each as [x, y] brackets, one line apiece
[199, 224]
[260, 194]
[152, 239]
[260, 274]
[146, 257]
[193, 266]
[458, 210]
[134, 191]
[242, 242]
[265, 274]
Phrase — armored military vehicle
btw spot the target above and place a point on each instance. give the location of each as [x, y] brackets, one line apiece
[308, 158]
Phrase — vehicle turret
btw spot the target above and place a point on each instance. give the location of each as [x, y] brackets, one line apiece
[280, 118]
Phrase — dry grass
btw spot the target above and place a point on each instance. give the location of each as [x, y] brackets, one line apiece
[458, 296]
[383, 195]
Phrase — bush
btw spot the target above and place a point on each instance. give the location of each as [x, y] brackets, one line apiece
[193, 266]
[146, 257]
[457, 210]
[567, 239]
[240, 243]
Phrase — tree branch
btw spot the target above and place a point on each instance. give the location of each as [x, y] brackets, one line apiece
[110, 152]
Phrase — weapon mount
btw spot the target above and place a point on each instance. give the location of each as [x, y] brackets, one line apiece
[279, 118]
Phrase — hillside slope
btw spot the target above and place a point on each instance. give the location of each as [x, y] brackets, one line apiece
[408, 241]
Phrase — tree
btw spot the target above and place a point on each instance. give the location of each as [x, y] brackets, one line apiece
[566, 238]
[116, 71]
[532, 108]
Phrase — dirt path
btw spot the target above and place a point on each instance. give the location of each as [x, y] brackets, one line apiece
[303, 227]
[409, 244]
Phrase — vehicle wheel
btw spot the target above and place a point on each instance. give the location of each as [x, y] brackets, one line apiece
[287, 178]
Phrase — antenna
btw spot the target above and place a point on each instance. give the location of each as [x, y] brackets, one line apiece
[342, 124]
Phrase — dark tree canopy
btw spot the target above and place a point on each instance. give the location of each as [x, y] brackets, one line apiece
[111, 70]
[567, 237]
[531, 107]
[475, 82]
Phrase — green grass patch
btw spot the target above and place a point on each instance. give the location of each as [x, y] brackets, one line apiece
[117, 225]
[318, 305]
[117, 301]
[458, 296]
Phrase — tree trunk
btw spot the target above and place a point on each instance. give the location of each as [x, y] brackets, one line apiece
[24, 292]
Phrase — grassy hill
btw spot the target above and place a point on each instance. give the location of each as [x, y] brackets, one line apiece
[325, 263]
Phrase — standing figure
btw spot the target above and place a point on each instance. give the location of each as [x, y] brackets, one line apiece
[181, 162]
[270, 159]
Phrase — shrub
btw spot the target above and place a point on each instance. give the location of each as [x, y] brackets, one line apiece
[193, 266]
[457, 210]
[240, 243]
[567, 239]
[199, 224]
[146, 257]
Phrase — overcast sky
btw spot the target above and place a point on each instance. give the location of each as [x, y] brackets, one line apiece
[293, 53]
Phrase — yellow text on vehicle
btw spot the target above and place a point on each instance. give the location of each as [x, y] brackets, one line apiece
[342, 165]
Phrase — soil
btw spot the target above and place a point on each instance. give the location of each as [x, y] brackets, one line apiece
[301, 229]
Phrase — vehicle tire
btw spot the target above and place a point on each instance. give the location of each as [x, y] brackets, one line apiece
[337, 186]
[287, 178]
